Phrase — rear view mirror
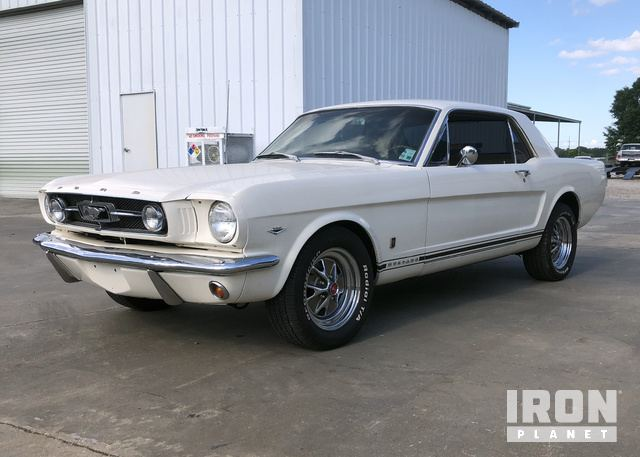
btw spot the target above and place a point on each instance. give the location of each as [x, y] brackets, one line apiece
[468, 156]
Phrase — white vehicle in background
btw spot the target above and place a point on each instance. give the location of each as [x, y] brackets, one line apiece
[629, 155]
[627, 162]
[346, 198]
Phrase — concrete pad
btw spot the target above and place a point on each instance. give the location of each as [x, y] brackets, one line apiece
[19, 441]
[427, 376]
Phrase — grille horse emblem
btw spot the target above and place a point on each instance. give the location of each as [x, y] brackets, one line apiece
[91, 213]
[97, 212]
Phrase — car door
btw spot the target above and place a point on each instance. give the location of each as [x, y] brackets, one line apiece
[483, 204]
[536, 175]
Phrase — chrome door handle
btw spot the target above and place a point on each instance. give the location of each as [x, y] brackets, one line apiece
[523, 174]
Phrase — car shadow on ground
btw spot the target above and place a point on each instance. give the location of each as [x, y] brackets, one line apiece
[503, 279]
[398, 304]
[394, 306]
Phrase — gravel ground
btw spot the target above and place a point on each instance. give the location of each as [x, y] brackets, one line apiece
[619, 189]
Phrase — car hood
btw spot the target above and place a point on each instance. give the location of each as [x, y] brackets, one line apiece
[209, 182]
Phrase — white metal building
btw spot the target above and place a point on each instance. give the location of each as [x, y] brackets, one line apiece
[80, 83]
[43, 97]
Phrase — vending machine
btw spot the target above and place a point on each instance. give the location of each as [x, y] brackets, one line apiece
[205, 146]
[212, 146]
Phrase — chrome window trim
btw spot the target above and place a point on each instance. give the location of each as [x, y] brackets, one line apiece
[513, 143]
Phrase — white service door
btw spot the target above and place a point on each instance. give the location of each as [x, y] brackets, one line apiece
[139, 131]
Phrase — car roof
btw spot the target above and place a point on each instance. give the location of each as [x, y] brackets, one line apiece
[443, 105]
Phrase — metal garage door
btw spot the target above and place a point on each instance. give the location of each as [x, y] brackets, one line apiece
[43, 99]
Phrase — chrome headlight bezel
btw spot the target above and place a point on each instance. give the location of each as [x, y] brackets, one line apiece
[153, 218]
[55, 208]
[223, 222]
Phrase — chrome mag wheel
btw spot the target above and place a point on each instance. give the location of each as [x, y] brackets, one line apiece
[332, 289]
[561, 243]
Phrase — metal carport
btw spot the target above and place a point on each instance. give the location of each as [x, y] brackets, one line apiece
[539, 116]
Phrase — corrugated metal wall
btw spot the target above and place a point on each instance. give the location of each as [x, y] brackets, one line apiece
[11, 4]
[280, 56]
[43, 99]
[358, 50]
[185, 51]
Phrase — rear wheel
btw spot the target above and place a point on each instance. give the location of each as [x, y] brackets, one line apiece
[137, 303]
[553, 258]
[325, 300]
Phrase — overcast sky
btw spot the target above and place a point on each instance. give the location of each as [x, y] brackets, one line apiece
[569, 57]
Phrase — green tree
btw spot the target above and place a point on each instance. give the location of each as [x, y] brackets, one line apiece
[626, 114]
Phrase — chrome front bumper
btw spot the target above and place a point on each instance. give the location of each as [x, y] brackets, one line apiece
[152, 264]
[216, 266]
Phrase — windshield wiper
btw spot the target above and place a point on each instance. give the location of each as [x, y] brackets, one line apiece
[277, 155]
[353, 155]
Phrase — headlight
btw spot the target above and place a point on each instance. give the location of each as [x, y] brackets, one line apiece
[152, 218]
[222, 222]
[55, 209]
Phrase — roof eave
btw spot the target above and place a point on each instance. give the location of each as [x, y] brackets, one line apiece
[491, 14]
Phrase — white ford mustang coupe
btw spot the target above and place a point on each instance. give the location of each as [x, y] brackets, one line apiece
[346, 198]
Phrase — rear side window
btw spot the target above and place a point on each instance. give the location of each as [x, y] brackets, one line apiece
[521, 148]
[487, 132]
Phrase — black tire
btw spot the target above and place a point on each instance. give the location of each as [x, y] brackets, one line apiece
[290, 316]
[137, 303]
[539, 261]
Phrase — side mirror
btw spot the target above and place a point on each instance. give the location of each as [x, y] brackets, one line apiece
[468, 156]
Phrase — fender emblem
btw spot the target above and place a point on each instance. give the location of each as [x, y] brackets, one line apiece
[277, 230]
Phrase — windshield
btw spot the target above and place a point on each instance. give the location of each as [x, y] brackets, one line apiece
[383, 133]
[631, 147]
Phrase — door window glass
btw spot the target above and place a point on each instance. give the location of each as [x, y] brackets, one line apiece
[487, 132]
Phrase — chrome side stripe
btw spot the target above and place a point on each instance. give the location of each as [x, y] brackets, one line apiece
[456, 252]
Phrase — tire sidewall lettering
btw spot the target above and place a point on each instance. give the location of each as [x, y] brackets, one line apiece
[364, 296]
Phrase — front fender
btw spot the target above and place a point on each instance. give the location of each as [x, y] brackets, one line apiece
[265, 284]
[314, 227]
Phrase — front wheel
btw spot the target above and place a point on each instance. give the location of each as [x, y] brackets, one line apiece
[553, 258]
[325, 300]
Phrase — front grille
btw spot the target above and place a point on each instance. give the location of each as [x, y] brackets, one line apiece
[129, 213]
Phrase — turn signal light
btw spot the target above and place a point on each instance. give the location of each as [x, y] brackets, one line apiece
[218, 290]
